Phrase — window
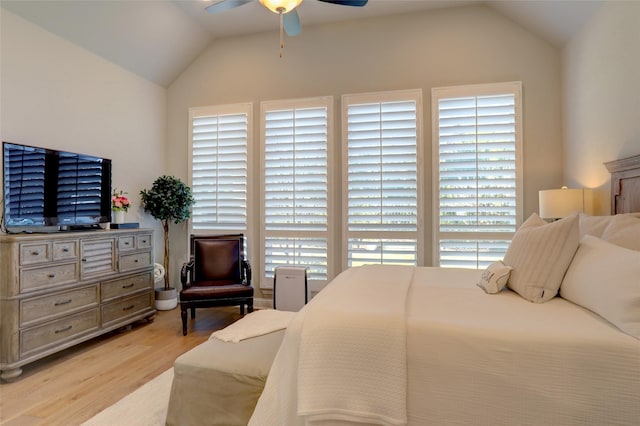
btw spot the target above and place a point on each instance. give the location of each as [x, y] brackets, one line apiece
[219, 158]
[477, 139]
[296, 141]
[382, 136]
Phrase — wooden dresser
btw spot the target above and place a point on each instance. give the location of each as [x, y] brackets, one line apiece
[60, 289]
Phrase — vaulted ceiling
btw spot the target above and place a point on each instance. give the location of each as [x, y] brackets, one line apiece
[158, 39]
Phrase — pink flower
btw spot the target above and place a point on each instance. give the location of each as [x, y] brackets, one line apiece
[119, 201]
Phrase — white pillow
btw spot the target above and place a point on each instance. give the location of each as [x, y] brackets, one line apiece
[605, 279]
[540, 254]
[624, 231]
[596, 225]
[494, 278]
[593, 225]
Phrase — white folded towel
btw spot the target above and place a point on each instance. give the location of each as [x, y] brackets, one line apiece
[257, 323]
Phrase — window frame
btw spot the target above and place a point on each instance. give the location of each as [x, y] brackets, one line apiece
[474, 90]
[327, 102]
[383, 97]
[217, 110]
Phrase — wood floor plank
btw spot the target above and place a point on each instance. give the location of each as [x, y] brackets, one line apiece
[72, 386]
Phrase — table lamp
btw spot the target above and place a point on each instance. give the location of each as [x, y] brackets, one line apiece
[558, 203]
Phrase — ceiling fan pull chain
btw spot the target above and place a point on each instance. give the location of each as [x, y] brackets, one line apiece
[281, 33]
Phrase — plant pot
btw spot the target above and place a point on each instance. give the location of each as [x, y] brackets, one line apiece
[118, 216]
[166, 299]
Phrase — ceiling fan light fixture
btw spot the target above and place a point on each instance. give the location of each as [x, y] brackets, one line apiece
[280, 6]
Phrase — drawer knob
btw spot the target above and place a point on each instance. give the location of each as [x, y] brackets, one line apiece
[128, 308]
[35, 253]
[144, 241]
[135, 261]
[62, 330]
[84, 259]
[66, 250]
[62, 302]
[128, 285]
[51, 275]
[126, 243]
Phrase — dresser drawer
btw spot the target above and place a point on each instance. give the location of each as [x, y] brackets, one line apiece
[44, 308]
[54, 332]
[143, 241]
[121, 309]
[47, 276]
[131, 262]
[34, 253]
[65, 250]
[124, 286]
[126, 242]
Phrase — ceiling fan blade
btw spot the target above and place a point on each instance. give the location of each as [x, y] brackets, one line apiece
[358, 3]
[223, 5]
[291, 23]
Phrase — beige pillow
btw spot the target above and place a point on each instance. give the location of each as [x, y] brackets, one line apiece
[593, 225]
[494, 278]
[624, 231]
[605, 279]
[540, 254]
[596, 225]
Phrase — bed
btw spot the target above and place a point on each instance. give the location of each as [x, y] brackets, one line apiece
[395, 345]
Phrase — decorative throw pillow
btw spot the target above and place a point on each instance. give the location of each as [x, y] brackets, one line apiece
[605, 279]
[539, 255]
[494, 278]
[624, 231]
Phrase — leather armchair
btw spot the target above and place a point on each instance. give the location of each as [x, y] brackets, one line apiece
[217, 274]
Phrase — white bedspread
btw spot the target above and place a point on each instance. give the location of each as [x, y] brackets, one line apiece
[474, 358]
[341, 360]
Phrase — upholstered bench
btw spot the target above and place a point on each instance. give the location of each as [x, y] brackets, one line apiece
[219, 382]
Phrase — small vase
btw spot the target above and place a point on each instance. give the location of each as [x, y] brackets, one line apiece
[118, 216]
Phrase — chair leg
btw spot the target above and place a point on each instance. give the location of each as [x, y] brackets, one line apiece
[242, 309]
[193, 313]
[183, 314]
[250, 306]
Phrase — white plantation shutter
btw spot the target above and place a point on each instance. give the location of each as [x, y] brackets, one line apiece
[477, 140]
[295, 189]
[219, 143]
[382, 207]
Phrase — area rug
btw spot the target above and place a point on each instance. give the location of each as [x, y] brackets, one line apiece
[146, 406]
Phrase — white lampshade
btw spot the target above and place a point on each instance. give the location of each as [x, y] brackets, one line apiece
[277, 6]
[559, 203]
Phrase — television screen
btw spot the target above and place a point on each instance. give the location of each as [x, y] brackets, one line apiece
[46, 189]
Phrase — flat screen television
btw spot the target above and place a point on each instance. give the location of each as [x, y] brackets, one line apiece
[46, 190]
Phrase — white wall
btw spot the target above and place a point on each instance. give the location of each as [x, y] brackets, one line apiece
[58, 95]
[601, 80]
[457, 46]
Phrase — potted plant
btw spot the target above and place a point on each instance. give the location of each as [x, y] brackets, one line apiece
[119, 205]
[168, 200]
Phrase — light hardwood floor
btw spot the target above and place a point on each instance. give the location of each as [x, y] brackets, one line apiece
[72, 386]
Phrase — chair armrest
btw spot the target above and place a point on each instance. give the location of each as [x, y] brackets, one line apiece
[246, 268]
[187, 268]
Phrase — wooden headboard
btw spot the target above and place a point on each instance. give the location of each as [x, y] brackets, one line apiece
[625, 184]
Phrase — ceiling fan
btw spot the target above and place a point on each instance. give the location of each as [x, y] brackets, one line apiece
[289, 19]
